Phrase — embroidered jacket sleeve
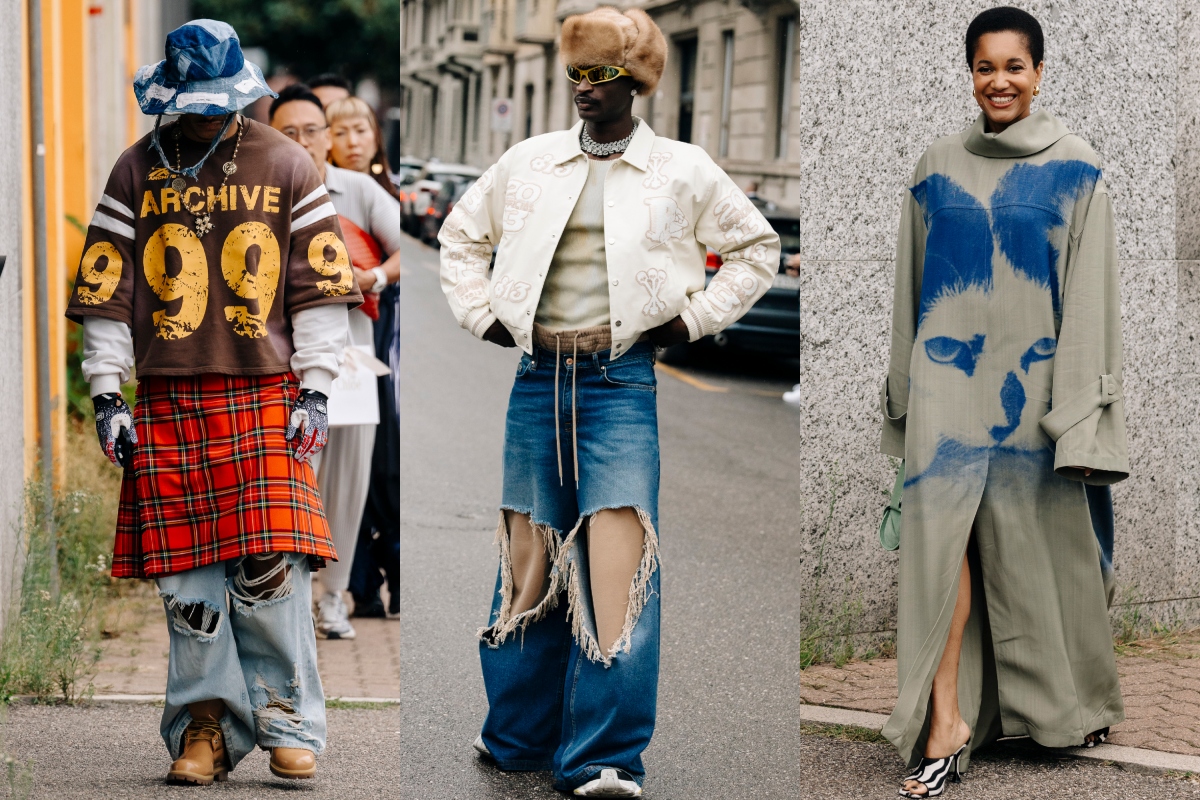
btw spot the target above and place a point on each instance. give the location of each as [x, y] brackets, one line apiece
[910, 258]
[317, 264]
[1087, 418]
[467, 237]
[730, 224]
[104, 282]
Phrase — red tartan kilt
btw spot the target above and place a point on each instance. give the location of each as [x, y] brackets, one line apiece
[213, 478]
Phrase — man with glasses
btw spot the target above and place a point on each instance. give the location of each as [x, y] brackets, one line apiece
[601, 233]
[370, 222]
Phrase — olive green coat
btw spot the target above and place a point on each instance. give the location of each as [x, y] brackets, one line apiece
[1005, 380]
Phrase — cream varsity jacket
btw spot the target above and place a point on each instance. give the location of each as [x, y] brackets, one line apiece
[664, 201]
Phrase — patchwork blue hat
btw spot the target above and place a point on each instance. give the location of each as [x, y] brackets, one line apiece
[204, 73]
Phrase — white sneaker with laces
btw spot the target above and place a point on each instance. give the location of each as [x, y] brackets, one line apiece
[333, 621]
[609, 784]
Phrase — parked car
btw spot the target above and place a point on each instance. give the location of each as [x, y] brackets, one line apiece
[772, 325]
[430, 182]
[410, 171]
[441, 203]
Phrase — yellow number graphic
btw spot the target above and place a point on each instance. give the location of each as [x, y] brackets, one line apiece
[190, 285]
[108, 278]
[250, 286]
[339, 266]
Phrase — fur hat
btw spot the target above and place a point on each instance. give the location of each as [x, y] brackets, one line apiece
[606, 37]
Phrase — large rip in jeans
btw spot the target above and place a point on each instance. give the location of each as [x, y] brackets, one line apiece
[565, 575]
[508, 623]
[262, 579]
[275, 712]
[199, 619]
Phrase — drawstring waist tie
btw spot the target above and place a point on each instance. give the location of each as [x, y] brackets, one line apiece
[585, 341]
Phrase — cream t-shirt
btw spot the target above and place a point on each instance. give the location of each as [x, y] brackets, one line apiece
[575, 294]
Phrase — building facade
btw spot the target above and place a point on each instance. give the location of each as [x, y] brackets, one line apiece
[731, 85]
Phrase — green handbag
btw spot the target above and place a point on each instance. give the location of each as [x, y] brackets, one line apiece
[889, 526]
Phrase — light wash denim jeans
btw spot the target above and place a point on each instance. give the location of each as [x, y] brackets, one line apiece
[259, 657]
[555, 700]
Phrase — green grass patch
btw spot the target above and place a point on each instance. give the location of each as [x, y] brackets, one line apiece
[845, 733]
[367, 705]
[50, 645]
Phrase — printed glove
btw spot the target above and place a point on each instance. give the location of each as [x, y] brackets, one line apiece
[114, 427]
[310, 419]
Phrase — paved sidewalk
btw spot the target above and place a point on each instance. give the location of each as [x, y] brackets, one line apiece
[135, 661]
[1160, 681]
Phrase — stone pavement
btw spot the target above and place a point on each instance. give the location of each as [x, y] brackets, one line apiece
[1160, 681]
[134, 660]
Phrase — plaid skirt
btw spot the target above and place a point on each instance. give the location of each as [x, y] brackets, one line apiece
[213, 478]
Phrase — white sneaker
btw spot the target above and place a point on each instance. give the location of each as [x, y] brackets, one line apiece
[481, 748]
[792, 398]
[333, 621]
[609, 784]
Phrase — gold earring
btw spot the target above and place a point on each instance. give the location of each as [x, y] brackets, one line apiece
[1037, 90]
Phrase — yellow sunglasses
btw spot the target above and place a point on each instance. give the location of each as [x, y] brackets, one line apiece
[595, 75]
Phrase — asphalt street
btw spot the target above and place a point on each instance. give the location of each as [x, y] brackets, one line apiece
[728, 691]
[113, 750]
[835, 769]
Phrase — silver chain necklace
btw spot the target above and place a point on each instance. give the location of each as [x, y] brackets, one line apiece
[593, 148]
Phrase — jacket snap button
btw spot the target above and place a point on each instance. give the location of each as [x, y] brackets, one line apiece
[615, 283]
[570, 361]
[612, 241]
[618, 323]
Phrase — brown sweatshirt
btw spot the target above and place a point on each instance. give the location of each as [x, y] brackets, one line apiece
[221, 302]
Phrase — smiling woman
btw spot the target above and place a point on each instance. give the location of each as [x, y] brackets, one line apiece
[1006, 296]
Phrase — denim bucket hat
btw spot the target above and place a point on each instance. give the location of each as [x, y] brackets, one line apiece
[204, 73]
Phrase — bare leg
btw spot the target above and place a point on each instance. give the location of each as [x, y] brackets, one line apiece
[530, 563]
[947, 729]
[615, 540]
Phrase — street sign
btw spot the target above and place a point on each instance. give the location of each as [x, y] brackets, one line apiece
[502, 113]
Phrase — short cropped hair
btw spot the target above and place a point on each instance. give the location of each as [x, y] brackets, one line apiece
[297, 91]
[1006, 18]
[330, 79]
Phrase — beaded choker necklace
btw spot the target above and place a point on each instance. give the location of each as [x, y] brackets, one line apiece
[593, 148]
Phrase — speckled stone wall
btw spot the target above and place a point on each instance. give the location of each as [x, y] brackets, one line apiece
[881, 82]
[12, 439]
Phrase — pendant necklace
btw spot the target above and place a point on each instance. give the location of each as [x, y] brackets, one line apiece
[593, 148]
[203, 221]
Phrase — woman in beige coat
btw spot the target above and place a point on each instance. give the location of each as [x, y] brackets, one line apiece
[1004, 398]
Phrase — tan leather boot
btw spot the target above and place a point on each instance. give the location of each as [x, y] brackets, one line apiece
[293, 762]
[203, 760]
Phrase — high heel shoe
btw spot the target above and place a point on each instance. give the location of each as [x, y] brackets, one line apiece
[934, 773]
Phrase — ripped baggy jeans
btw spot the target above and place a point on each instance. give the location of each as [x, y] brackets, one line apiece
[561, 696]
[242, 632]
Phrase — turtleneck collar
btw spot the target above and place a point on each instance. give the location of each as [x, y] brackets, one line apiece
[1024, 138]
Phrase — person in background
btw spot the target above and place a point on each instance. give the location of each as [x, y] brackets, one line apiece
[791, 267]
[329, 87]
[357, 140]
[370, 221]
[236, 344]
[356, 146]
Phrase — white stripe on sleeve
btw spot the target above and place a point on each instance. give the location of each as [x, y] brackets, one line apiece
[110, 224]
[319, 213]
[116, 205]
[311, 196]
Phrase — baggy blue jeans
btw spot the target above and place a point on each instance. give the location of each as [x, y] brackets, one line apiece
[556, 699]
[259, 656]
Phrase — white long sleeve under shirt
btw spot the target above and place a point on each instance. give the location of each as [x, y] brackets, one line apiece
[319, 336]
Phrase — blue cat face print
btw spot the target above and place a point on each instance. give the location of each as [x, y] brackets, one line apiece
[982, 306]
